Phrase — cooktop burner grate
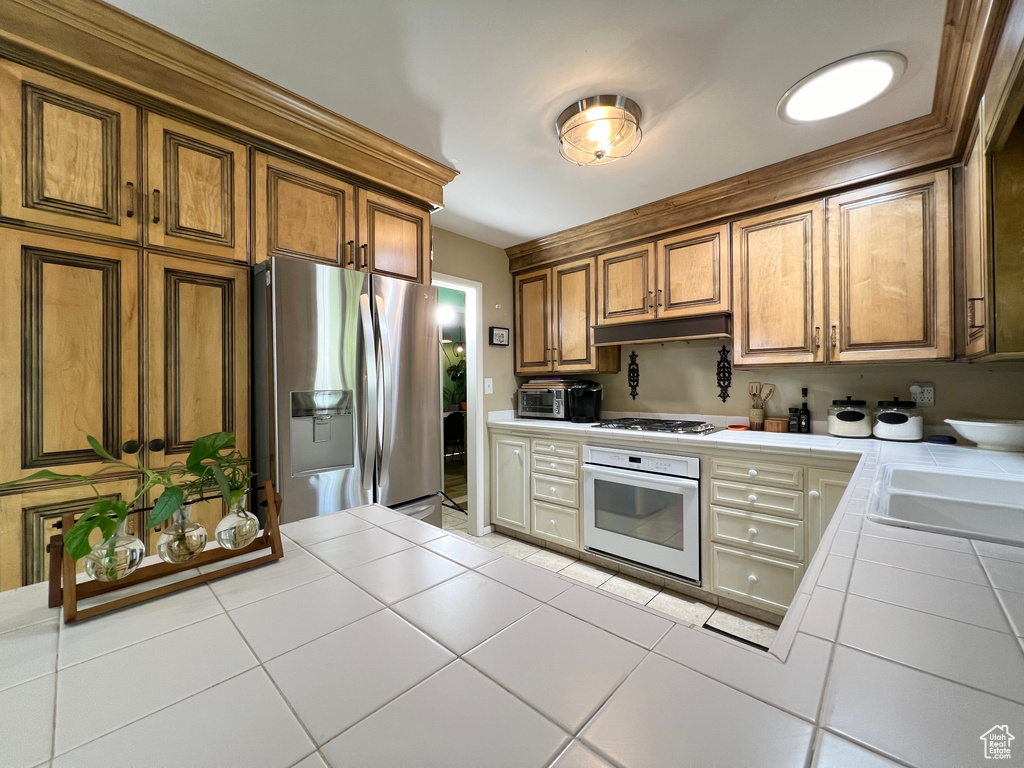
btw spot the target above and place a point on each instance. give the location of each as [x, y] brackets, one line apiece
[658, 425]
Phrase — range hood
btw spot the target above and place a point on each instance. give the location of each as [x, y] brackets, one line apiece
[718, 326]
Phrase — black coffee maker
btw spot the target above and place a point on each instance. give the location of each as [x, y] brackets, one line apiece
[585, 401]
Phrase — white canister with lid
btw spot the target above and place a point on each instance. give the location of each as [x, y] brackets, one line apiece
[849, 418]
[896, 420]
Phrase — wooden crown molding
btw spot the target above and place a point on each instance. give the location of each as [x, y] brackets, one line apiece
[971, 34]
[114, 45]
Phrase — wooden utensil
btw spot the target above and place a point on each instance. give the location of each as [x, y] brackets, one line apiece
[767, 391]
[754, 388]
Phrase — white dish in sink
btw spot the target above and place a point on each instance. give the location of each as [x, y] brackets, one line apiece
[991, 434]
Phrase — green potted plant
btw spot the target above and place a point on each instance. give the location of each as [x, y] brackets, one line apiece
[213, 462]
[457, 373]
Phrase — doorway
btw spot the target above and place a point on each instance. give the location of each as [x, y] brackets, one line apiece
[459, 319]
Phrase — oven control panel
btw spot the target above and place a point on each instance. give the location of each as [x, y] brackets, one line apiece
[641, 461]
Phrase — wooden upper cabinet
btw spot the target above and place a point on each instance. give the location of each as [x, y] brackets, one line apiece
[976, 239]
[302, 213]
[693, 273]
[198, 353]
[779, 286]
[890, 269]
[69, 155]
[625, 285]
[69, 350]
[198, 196]
[394, 238]
[533, 322]
[573, 301]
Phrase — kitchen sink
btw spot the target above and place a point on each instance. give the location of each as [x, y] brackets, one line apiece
[985, 507]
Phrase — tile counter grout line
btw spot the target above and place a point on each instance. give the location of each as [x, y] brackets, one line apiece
[56, 677]
[998, 597]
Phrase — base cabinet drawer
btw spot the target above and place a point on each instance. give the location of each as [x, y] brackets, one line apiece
[555, 523]
[760, 533]
[557, 448]
[552, 465]
[754, 578]
[757, 499]
[559, 490]
[778, 475]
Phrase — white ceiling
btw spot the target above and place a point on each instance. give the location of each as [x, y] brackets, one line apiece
[477, 84]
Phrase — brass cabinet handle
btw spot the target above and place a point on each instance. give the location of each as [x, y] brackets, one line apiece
[365, 261]
[351, 253]
[972, 315]
[130, 208]
[156, 206]
[817, 337]
[650, 300]
[834, 337]
[659, 298]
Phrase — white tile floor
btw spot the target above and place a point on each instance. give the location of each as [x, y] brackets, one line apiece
[678, 606]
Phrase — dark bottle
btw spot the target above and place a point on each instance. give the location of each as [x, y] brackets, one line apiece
[805, 414]
[794, 420]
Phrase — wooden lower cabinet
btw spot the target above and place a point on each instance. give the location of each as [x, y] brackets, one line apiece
[510, 482]
[198, 353]
[28, 520]
[69, 359]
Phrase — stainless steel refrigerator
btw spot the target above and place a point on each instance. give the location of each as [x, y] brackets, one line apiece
[346, 390]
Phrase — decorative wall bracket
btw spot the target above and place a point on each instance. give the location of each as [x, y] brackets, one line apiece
[724, 373]
[634, 374]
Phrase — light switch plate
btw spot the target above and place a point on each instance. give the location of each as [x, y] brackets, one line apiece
[488, 386]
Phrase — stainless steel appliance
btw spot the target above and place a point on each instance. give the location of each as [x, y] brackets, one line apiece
[346, 390]
[544, 399]
[643, 507]
[585, 401]
[661, 425]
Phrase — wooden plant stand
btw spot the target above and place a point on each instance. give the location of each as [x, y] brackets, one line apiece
[65, 589]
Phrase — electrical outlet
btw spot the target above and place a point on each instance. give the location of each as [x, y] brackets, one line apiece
[923, 394]
[488, 386]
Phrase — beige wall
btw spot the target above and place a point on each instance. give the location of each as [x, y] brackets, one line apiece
[679, 377]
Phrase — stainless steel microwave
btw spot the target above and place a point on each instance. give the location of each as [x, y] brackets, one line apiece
[543, 400]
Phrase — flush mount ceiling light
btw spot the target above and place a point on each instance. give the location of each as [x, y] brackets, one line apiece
[599, 129]
[841, 86]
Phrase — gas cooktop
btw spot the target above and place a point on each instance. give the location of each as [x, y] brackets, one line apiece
[660, 425]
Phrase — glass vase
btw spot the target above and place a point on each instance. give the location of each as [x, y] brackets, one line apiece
[116, 557]
[238, 528]
[182, 540]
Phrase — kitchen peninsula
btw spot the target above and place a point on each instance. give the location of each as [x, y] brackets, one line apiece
[378, 640]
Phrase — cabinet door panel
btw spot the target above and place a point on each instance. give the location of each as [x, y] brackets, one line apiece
[625, 285]
[198, 190]
[976, 238]
[778, 285]
[302, 213]
[510, 494]
[28, 520]
[890, 266]
[693, 273]
[395, 238]
[70, 353]
[198, 353]
[825, 490]
[574, 299]
[71, 151]
[533, 322]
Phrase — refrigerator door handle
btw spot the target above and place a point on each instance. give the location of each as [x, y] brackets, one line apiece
[370, 352]
[385, 364]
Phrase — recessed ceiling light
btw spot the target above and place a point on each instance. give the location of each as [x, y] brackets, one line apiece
[841, 86]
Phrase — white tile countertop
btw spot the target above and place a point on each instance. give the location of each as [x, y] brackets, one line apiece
[379, 640]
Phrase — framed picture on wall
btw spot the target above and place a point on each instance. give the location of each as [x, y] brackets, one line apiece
[499, 336]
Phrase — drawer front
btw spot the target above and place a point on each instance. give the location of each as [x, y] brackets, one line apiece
[756, 499]
[559, 490]
[759, 533]
[552, 465]
[754, 578]
[556, 448]
[777, 475]
[555, 523]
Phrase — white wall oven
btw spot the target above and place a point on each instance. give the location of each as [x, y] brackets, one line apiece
[643, 507]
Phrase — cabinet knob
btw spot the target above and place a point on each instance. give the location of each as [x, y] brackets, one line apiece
[752, 532]
[552, 465]
[752, 579]
[553, 491]
[814, 494]
[515, 452]
[553, 526]
[752, 473]
[551, 447]
[752, 497]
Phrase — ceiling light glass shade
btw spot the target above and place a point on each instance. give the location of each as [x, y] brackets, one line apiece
[841, 86]
[599, 129]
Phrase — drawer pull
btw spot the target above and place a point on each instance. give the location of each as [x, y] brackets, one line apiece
[553, 526]
[553, 491]
[551, 447]
[752, 579]
[552, 465]
[752, 532]
[515, 452]
[752, 497]
[814, 494]
[752, 473]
